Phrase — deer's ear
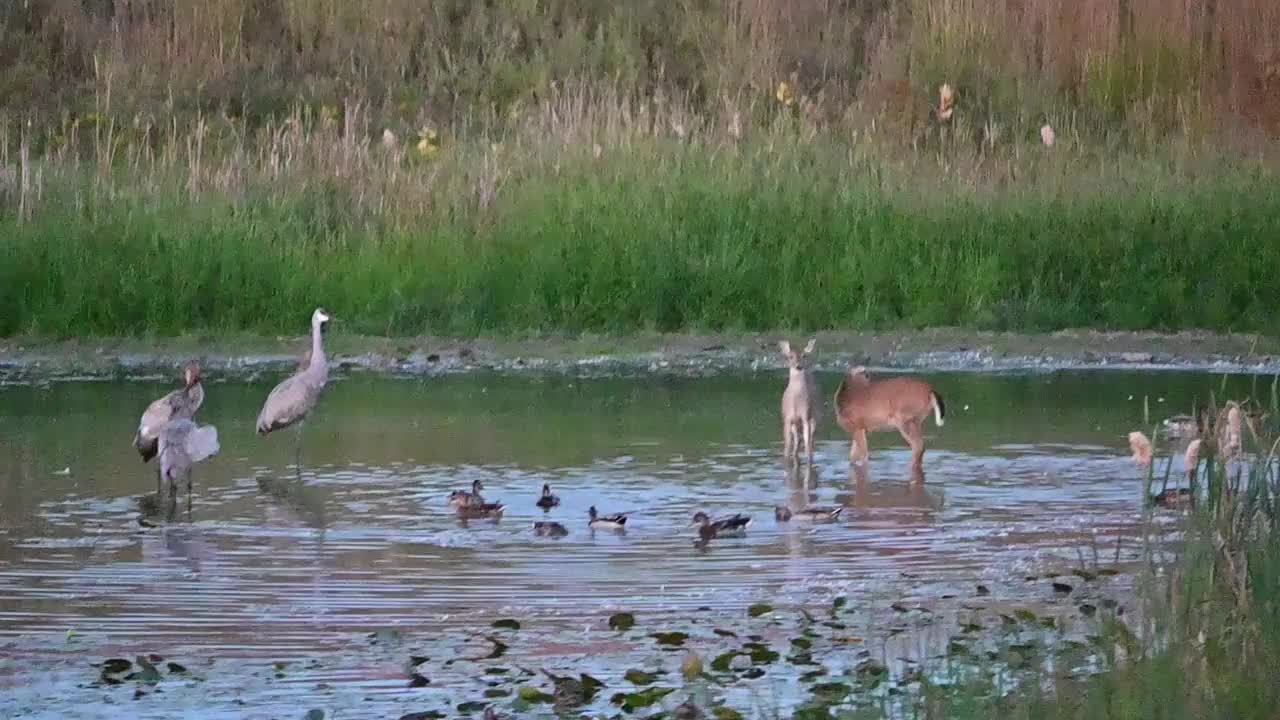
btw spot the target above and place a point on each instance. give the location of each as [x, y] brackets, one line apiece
[785, 347]
[808, 348]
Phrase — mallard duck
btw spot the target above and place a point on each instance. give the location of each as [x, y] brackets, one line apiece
[462, 498]
[547, 501]
[1174, 498]
[810, 514]
[617, 521]
[550, 529]
[481, 511]
[732, 526]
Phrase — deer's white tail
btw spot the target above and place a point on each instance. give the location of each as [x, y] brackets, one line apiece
[939, 408]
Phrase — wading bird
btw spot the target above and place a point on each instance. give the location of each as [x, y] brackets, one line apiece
[178, 404]
[182, 445]
[291, 400]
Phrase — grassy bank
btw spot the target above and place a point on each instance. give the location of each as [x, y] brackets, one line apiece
[655, 237]
[467, 168]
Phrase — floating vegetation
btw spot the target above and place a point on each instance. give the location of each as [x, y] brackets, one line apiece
[630, 702]
[759, 609]
[670, 639]
[506, 624]
[622, 621]
[534, 695]
[639, 677]
[425, 715]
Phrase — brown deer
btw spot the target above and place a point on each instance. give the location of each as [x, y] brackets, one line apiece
[901, 403]
[800, 401]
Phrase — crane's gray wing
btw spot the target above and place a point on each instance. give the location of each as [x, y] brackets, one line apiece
[202, 443]
[287, 404]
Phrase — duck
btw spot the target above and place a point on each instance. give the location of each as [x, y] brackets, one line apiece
[547, 501]
[550, 529]
[481, 511]
[810, 514]
[617, 521]
[1174, 498]
[462, 498]
[732, 526]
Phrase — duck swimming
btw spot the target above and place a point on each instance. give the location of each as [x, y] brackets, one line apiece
[481, 511]
[617, 521]
[462, 498]
[809, 514]
[732, 526]
[547, 501]
[549, 529]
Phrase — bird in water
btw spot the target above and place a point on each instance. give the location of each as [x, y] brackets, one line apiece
[481, 511]
[175, 405]
[182, 445]
[549, 529]
[810, 514]
[732, 526]
[617, 521]
[291, 400]
[547, 501]
[462, 498]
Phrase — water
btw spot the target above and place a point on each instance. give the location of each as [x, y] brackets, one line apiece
[1030, 474]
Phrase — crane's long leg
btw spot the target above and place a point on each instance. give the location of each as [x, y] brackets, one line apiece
[189, 473]
[159, 490]
[297, 449]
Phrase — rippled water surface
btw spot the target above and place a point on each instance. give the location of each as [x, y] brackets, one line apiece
[1028, 473]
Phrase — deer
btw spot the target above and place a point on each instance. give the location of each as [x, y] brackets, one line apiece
[800, 401]
[901, 403]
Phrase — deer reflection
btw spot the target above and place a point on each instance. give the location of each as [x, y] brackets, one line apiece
[884, 494]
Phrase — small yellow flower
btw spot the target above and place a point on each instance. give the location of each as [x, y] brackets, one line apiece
[784, 94]
[428, 142]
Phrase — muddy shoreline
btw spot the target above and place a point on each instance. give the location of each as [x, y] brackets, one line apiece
[939, 350]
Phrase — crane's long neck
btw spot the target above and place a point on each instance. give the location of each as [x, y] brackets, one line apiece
[318, 364]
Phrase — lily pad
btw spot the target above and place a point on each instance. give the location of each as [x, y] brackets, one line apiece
[1049, 622]
[425, 715]
[1084, 574]
[534, 695]
[813, 675]
[956, 648]
[724, 712]
[506, 624]
[969, 627]
[671, 639]
[871, 668]
[761, 654]
[803, 643]
[472, 706]
[1024, 615]
[725, 633]
[630, 702]
[496, 670]
[639, 677]
[832, 691]
[494, 693]
[722, 661]
[622, 621]
[116, 665]
[314, 714]
[838, 604]
[759, 609]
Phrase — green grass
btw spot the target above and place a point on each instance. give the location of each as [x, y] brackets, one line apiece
[656, 237]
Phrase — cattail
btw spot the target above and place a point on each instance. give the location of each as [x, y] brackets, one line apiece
[946, 102]
[1047, 135]
[1229, 437]
[1141, 448]
[1191, 458]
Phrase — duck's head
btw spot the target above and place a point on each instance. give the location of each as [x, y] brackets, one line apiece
[592, 512]
[546, 489]
[701, 517]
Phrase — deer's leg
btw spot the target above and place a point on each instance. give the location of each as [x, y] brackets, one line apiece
[809, 426]
[912, 433]
[858, 450]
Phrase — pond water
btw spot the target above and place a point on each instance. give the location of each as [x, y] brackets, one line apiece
[281, 593]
